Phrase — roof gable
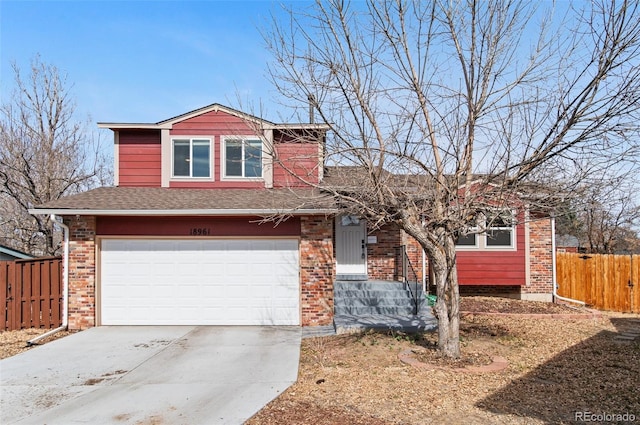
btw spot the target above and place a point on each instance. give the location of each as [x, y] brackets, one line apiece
[214, 107]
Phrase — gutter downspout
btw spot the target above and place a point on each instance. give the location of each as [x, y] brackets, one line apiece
[65, 285]
[553, 261]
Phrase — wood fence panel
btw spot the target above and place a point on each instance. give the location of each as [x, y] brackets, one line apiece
[24, 296]
[31, 291]
[623, 290]
[6, 271]
[44, 303]
[635, 289]
[56, 288]
[600, 280]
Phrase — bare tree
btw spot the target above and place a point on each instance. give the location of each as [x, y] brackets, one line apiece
[446, 109]
[603, 215]
[45, 153]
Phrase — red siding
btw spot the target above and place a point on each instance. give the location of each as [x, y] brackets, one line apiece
[213, 125]
[140, 154]
[186, 226]
[295, 159]
[218, 122]
[139, 158]
[494, 267]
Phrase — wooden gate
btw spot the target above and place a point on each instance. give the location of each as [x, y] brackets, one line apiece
[603, 281]
[31, 291]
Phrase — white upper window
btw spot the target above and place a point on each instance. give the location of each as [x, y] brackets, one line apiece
[191, 158]
[494, 229]
[242, 157]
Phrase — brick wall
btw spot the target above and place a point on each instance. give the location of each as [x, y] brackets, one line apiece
[382, 255]
[82, 272]
[414, 252]
[540, 283]
[317, 270]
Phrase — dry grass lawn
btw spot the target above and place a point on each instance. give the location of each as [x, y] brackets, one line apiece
[557, 367]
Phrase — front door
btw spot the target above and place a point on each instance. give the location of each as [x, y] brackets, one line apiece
[351, 247]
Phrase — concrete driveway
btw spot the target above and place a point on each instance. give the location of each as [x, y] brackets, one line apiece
[150, 375]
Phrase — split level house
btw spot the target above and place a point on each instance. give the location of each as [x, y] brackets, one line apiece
[203, 227]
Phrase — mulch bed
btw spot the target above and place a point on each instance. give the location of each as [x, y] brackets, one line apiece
[511, 306]
[15, 342]
[556, 369]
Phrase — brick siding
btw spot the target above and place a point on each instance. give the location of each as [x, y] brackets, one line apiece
[414, 252]
[317, 270]
[382, 256]
[540, 258]
[82, 272]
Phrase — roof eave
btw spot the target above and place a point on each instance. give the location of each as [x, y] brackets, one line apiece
[134, 126]
[169, 125]
[182, 212]
[300, 126]
[18, 254]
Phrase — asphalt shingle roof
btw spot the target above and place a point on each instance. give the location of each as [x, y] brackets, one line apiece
[174, 199]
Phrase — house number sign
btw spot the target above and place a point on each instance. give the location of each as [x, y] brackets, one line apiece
[200, 231]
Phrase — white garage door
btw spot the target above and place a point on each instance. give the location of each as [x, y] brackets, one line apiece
[199, 282]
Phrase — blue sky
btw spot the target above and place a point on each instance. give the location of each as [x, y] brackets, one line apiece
[143, 61]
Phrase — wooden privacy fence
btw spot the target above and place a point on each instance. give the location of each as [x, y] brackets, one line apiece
[31, 291]
[603, 281]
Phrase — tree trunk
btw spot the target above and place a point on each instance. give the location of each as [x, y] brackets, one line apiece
[448, 304]
[442, 260]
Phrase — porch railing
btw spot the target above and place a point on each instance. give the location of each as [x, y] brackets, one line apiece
[409, 276]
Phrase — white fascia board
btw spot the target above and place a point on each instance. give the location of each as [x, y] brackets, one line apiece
[169, 125]
[211, 212]
[301, 126]
[136, 126]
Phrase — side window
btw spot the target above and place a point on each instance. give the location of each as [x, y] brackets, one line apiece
[243, 158]
[191, 158]
[500, 229]
[469, 239]
[494, 229]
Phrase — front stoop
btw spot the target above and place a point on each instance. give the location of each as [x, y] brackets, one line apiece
[379, 305]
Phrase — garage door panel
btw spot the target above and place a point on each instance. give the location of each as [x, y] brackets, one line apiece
[199, 281]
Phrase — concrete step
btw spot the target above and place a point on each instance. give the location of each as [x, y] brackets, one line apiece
[374, 294]
[375, 301]
[374, 298]
[362, 304]
[407, 323]
[369, 310]
[379, 285]
[371, 293]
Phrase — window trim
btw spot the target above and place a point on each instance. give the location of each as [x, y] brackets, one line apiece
[223, 155]
[191, 140]
[482, 236]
